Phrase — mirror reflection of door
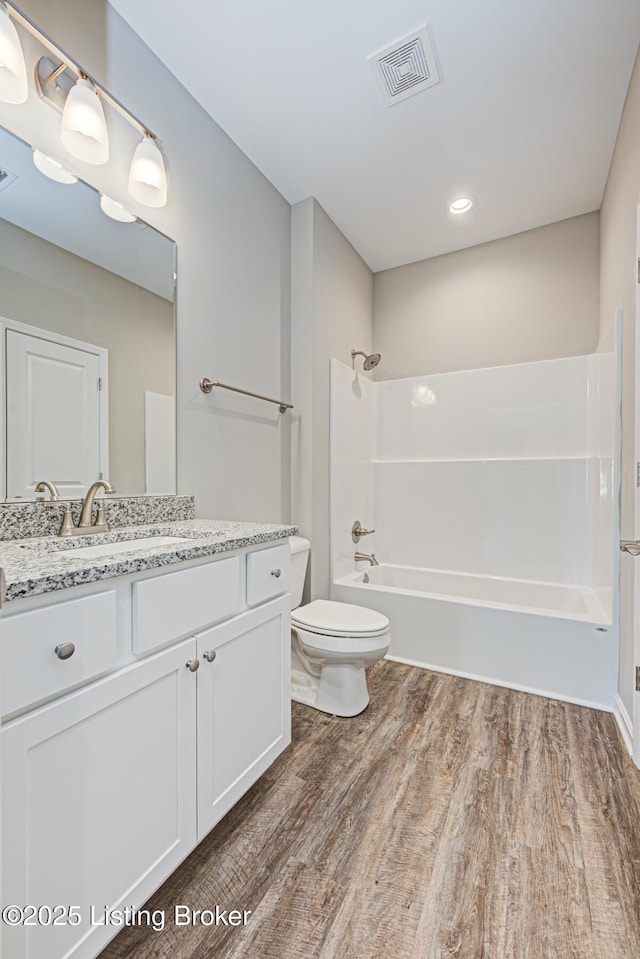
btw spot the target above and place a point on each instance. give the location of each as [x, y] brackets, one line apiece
[56, 421]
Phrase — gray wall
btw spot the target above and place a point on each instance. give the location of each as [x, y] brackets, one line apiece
[232, 231]
[531, 296]
[618, 286]
[45, 286]
[331, 308]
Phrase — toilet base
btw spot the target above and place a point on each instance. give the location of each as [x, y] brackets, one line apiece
[340, 690]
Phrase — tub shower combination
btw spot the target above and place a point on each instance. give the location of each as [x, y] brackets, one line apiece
[493, 494]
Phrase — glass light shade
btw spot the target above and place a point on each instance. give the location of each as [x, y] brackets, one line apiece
[147, 176]
[13, 70]
[84, 129]
[115, 210]
[52, 169]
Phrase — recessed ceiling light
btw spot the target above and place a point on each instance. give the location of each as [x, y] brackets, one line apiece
[116, 210]
[462, 204]
[52, 169]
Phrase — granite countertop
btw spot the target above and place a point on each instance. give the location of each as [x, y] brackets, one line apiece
[44, 564]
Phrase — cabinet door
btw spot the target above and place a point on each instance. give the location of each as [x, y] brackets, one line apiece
[98, 801]
[244, 705]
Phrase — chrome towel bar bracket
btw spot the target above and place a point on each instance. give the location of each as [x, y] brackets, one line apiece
[631, 546]
[206, 385]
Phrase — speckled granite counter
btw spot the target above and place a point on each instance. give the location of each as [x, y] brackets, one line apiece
[45, 564]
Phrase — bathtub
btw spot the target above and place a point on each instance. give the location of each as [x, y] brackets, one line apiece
[552, 639]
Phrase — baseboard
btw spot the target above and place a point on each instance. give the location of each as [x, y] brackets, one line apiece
[603, 707]
[624, 724]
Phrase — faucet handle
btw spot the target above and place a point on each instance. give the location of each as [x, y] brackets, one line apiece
[357, 531]
[67, 527]
[101, 519]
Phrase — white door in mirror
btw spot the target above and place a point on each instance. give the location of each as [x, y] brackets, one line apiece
[53, 416]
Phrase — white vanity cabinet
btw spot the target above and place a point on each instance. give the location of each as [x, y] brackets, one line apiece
[99, 800]
[244, 708]
[107, 788]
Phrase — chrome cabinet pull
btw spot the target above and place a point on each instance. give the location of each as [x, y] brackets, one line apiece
[65, 650]
[277, 573]
[209, 655]
[193, 665]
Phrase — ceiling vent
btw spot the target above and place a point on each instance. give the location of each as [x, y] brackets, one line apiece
[6, 178]
[405, 68]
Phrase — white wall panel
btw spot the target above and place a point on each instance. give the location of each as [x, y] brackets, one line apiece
[518, 518]
[352, 436]
[527, 410]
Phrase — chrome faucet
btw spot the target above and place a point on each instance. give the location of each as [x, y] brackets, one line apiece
[369, 557]
[85, 525]
[53, 489]
[87, 508]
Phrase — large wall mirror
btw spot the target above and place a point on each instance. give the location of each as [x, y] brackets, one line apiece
[87, 324]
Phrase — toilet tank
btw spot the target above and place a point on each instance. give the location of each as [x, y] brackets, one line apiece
[300, 548]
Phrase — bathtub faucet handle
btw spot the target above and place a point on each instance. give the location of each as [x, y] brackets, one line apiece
[357, 531]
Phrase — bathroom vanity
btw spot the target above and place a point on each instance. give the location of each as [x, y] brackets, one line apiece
[143, 693]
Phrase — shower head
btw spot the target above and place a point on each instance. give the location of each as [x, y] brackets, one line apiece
[371, 360]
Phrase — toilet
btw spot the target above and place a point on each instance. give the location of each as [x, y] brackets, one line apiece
[331, 644]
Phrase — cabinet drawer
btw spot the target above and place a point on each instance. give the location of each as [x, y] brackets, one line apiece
[31, 669]
[268, 573]
[168, 607]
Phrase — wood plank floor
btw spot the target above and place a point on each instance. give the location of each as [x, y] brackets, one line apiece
[450, 819]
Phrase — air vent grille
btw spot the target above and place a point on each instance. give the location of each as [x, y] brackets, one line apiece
[6, 178]
[405, 68]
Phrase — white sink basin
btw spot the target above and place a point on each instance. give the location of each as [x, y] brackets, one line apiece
[129, 546]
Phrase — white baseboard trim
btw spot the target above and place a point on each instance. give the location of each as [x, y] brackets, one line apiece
[603, 707]
[624, 724]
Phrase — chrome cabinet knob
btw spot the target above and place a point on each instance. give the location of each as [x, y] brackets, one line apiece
[277, 573]
[209, 655]
[193, 665]
[65, 650]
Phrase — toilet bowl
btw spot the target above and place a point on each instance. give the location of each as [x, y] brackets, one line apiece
[331, 645]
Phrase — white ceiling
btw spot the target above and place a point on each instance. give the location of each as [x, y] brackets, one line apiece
[525, 117]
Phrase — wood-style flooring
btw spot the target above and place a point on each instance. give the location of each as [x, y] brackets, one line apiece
[450, 819]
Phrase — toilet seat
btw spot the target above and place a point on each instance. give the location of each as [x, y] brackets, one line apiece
[342, 648]
[339, 620]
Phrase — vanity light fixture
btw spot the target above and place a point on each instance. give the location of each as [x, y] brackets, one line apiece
[462, 204]
[13, 70]
[64, 85]
[84, 127]
[147, 176]
[116, 210]
[52, 169]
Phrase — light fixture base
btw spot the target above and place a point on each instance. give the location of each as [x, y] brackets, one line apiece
[53, 82]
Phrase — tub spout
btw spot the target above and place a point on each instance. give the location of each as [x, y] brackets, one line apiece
[369, 557]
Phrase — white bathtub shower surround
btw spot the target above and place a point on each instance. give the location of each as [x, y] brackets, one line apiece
[492, 492]
[538, 637]
[503, 472]
[352, 440]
